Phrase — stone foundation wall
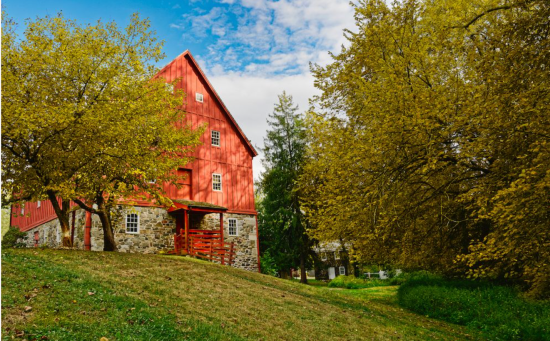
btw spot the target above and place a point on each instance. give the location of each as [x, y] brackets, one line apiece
[245, 241]
[156, 232]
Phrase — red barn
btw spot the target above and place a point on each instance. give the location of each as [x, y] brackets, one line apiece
[216, 201]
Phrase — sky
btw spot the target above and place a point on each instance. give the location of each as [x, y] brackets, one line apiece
[250, 50]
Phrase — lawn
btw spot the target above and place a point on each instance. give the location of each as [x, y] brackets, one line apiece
[78, 295]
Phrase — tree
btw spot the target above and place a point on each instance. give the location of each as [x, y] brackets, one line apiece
[283, 237]
[84, 119]
[429, 144]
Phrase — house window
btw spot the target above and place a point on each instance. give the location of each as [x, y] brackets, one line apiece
[336, 254]
[342, 270]
[216, 182]
[199, 97]
[132, 223]
[323, 256]
[233, 227]
[215, 138]
[38, 203]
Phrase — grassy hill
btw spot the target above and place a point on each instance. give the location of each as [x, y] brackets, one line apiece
[77, 295]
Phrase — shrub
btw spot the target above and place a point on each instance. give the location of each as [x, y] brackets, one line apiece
[496, 310]
[352, 282]
[268, 264]
[12, 236]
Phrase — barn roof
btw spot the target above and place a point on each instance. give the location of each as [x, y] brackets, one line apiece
[186, 53]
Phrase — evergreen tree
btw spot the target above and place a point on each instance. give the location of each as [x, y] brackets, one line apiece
[284, 240]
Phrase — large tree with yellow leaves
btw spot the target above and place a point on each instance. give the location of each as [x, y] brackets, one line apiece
[83, 118]
[429, 146]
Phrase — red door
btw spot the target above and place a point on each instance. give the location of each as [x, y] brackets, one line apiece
[184, 192]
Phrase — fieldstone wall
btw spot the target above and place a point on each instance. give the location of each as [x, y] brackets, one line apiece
[49, 234]
[245, 242]
[156, 232]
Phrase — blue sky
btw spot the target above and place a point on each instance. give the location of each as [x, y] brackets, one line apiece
[250, 50]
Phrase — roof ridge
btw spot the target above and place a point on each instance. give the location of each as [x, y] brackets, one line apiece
[217, 97]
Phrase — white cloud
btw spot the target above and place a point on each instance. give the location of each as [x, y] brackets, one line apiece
[285, 31]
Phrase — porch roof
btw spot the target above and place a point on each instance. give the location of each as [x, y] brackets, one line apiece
[198, 206]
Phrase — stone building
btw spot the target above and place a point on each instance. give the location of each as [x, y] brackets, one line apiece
[216, 199]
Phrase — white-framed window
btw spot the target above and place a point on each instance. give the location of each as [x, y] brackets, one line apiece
[215, 138]
[233, 228]
[38, 204]
[342, 270]
[199, 97]
[132, 223]
[216, 182]
[169, 87]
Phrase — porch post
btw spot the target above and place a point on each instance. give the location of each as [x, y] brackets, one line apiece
[221, 228]
[87, 232]
[186, 218]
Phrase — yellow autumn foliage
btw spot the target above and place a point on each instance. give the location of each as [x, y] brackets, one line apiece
[432, 132]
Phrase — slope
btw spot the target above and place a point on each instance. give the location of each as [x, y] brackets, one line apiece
[77, 295]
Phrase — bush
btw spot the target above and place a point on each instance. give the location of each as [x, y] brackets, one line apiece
[493, 309]
[352, 282]
[268, 264]
[10, 238]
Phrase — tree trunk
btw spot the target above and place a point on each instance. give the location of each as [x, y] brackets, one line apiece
[63, 217]
[109, 243]
[303, 273]
[103, 211]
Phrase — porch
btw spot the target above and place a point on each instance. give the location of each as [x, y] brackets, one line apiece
[192, 238]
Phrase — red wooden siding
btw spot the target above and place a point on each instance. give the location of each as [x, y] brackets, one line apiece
[33, 215]
[233, 159]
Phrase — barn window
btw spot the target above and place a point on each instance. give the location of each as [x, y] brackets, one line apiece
[342, 270]
[170, 87]
[199, 97]
[132, 223]
[233, 227]
[216, 182]
[22, 209]
[215, 138]
[38, 203]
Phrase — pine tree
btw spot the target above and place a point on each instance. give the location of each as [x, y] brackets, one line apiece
[283, 238]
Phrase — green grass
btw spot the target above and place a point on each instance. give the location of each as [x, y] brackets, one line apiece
[498, 311]
[77, 295]
[351, 282]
